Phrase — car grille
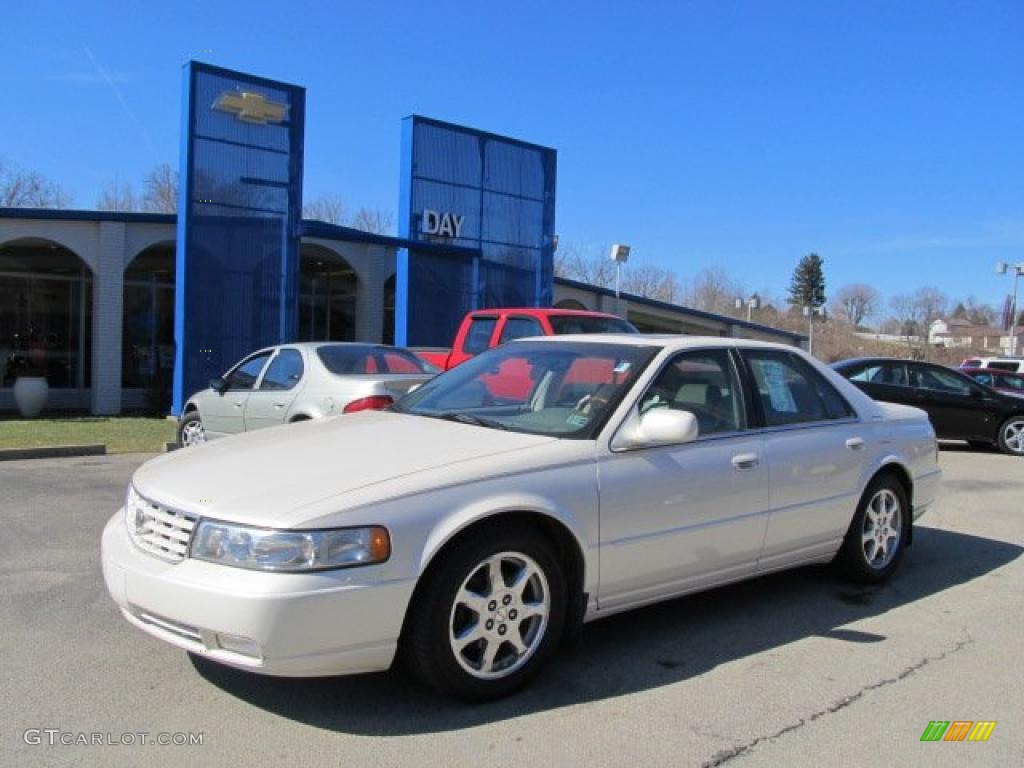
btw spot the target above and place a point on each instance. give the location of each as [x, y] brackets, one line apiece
[161, 531]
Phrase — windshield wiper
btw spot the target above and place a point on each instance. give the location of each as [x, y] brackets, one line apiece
[467, 418]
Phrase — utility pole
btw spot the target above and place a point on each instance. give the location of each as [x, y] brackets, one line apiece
[1018, 270]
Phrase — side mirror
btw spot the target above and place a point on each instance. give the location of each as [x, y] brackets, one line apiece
[218, 385]
[660, 426]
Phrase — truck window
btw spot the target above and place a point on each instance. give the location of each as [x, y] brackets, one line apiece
[478, 337]
[520, 327]
[569, 324]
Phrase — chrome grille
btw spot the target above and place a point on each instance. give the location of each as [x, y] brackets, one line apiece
[158, 530]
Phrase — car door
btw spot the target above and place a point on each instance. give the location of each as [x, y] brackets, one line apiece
[814, 447]
[271, 402]
[224, 413]
[677, 517]
[959, 409]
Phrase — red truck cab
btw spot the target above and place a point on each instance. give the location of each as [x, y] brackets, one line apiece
[485, 328]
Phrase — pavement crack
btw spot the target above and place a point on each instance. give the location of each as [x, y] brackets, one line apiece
[725, 755]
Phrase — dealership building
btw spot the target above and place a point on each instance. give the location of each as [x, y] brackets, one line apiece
[115, 307]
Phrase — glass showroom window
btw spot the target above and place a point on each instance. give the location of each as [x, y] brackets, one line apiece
[327, 296]
[147, 341]
[45, 314]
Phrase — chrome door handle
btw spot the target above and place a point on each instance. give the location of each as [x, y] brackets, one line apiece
[279, 405]
[855, 443]
[745, 460]
[238, 403]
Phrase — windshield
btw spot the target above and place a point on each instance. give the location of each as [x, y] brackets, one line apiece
[561, 389]
[363, 359]
[564, 325]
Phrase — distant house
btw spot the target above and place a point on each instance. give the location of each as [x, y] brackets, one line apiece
[960, 333]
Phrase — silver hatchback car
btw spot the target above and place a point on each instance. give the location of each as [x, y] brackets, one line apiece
[295, 382]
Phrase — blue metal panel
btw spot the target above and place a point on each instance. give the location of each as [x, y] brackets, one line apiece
[239, 215]
[504, 191]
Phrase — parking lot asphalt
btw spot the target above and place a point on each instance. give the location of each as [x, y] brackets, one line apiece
[793, 669]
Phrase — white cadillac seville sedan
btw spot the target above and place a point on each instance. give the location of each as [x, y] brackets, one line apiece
[540, 485]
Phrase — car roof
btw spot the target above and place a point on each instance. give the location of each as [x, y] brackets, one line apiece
[543, 312]
[668, 340]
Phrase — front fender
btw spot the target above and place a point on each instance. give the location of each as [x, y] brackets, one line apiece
[482, 509]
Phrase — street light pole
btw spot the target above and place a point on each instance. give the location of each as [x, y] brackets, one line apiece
[620, 255]
[754, 302]
[1018, 270]
[809, 313]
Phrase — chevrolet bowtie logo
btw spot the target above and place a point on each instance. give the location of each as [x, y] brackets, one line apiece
[251, 107]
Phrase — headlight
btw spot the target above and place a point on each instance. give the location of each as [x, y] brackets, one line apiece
[133, 511]
[262, 549]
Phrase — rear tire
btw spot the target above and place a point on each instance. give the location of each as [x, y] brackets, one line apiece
[878, 533]
[488, 615]
[1011, 436]
[191, 431]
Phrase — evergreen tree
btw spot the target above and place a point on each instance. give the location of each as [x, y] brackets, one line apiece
[807, 288]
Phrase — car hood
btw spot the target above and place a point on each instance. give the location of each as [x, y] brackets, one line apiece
[267, 476]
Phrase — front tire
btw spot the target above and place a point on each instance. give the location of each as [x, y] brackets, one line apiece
[1011, 436]
[191, 431]
[488, 616]
[875, 541]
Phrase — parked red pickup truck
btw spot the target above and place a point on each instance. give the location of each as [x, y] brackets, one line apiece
[486, 328]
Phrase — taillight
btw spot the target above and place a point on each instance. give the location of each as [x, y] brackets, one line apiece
[374, 403]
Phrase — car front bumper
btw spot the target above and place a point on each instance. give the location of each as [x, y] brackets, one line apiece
[334, 622]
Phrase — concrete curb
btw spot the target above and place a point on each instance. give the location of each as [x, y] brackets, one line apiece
[52, 452]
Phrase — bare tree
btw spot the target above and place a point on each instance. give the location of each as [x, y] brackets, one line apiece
[373, 220]
[651, 282]
[161, 190]
[573, 264]
[931, 304]
[29, 189]
[856, 302]
[906, 312]
[325, 208]
[713, 290]
[978, 312]
[117, 197]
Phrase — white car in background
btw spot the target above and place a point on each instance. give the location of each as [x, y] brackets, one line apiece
[542, 484]
[296, 382]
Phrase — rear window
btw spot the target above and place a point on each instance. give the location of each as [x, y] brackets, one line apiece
[360, 359]
[1005, 365]
[564, 325]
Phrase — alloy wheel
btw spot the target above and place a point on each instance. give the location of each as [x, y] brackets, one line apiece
[883, 527]
[193, 434]
[499, 616]
[1013, 436]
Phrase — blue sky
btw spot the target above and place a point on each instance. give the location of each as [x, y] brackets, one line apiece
[886, 136]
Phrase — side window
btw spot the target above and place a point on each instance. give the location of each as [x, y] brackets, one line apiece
[1011, 382]
[246, 374]
[284, 372]
[792, 392]
[939, 380]
[479, 334]
[867, 374]
[703, 382]
[983, 378]
[520, 327]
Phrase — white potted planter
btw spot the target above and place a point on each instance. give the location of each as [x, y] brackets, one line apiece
[30, 395]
